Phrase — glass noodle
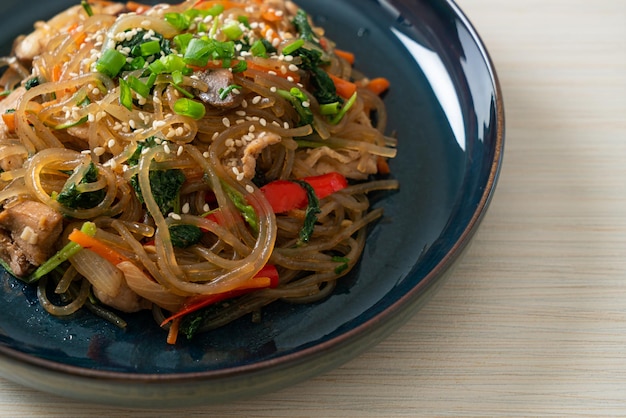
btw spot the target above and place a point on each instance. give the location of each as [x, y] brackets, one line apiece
[160, 141]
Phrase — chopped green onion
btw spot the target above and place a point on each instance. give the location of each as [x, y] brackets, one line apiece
[330, 108]
[87, 8]
[182, 91]
[181, 41]
[293, 47]
[344, 110]
[225, 92]
[258, 49]
[177, 77]
[151, 80]
[111, 62]
[232, 31]
[157, 67]
[188, 107]
[244, 21]
[247, 210]
[149, 48]
[173, 63]
[137, 85]
[178, 20]
[6, 93]
[126, 96]
[215, 10]
[198, 52]
[72, 124]
[240, 67]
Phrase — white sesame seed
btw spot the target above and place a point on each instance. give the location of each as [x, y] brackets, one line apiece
[86, 152]
[293, 67]
[226, 122]
[249, 188]
[289, 58]
[290, 79]
[286, 125]
[252, 128]
[306, 104]
[235, 171]
[186, 208]
[206, 154]
[132, 123]
[111, 143]
[240, 113]
[180, 150]
[175, 216]
[167, 149]
[273, 89]
[256, 100]
[98, 151]
[263, 122]
[272, 73]
[206, 207]
[229, 142]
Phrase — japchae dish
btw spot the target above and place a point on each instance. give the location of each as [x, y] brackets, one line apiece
[200, 160]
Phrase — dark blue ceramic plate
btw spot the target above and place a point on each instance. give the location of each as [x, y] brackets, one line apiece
[446, 107]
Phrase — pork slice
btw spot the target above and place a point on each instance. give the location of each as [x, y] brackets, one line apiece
[218, 81]
[28, 233]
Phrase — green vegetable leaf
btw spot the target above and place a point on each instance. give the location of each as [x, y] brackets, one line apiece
[165, 185]
[184, 236]
[296, 97]
[247, 211]
[71, 196]
[301, 22]
[312, 210]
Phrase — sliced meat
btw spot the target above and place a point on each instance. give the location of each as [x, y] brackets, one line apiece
[28, 232]
[253, 149]
[218, 81]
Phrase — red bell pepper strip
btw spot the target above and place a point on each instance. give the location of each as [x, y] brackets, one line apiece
[267, 277]
[285, 195]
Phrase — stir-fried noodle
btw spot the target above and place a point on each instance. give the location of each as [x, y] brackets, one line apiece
[178, 156]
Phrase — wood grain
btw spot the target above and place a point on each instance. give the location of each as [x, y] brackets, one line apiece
[533, 322]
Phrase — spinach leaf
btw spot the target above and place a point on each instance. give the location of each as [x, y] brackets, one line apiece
[184, 236]
[165, 185]
[301, 22]
[72, 198]
[310, 216]
[322, 85]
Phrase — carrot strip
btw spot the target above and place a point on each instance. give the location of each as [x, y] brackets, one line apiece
[382, 166]
[348, 56]
[9, 121]
[378, 85]
[267, 277]
[344, 88]
[97, 246]
[206, 5]
[270, 15]
[172, 333]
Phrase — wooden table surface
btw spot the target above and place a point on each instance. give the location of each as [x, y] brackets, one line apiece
[533, 321]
